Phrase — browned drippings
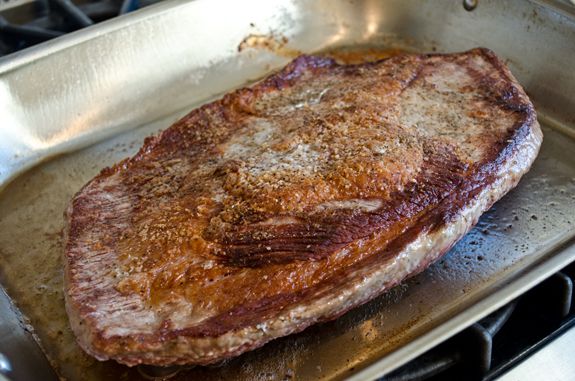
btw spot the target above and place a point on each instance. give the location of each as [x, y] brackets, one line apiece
[361, 55]
[274, 43]
[279, 45]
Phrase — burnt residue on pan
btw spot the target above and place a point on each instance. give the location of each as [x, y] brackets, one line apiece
[275, 43]
[279, 45]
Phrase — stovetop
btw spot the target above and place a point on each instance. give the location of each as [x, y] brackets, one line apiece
[24, 23]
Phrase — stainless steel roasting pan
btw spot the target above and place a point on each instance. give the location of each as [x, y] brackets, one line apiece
[74, 105]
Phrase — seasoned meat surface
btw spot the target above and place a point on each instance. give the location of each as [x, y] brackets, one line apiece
[289, 202]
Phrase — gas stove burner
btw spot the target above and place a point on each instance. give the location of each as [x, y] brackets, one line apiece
[24, 23]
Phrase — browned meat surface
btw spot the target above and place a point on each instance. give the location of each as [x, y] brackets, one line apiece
[290, 202]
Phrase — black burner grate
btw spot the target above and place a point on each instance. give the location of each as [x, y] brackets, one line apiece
[500, 341]
[47, 19]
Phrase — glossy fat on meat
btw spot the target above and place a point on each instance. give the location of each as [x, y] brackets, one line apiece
[289, 202]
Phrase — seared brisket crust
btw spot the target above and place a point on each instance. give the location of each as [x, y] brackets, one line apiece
[290, 202]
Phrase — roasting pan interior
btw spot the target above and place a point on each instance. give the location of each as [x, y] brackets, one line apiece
[88, 101]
